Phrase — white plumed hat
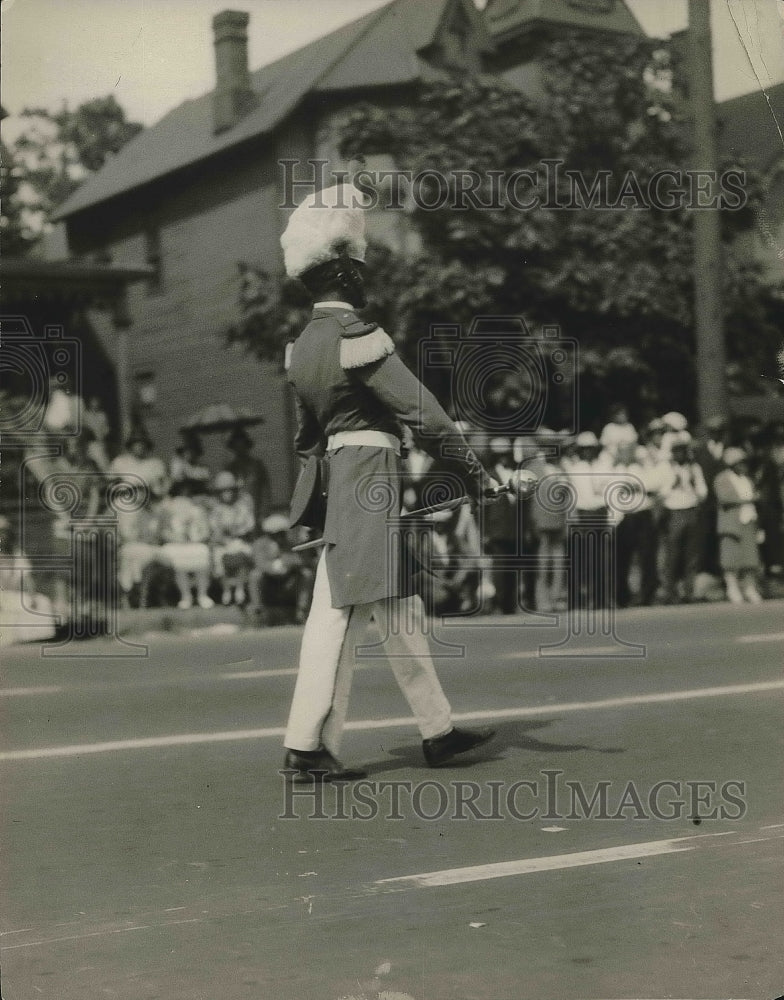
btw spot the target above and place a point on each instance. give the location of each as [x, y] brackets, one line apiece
[327, 223]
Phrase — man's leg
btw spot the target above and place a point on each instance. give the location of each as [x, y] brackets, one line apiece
[320, 657]
[672, 555]
[402, 623]
[691, 551]
[332, 728]
[647, 544]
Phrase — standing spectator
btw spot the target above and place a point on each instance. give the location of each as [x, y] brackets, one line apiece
[548, 523]
[629, 526]
[675, 424]
[709, 454]
[655, 476]
[637, 530]
[88, 598]
[231, 526]
[185, 531]
[501, 527]
[619, 431]
[249, 471]
[588, 474]
[737, 528]
[652, 437]
[138, 461]
[683, 494]
[96, 421]
[770, 507]
[654, 458]
[186, 465]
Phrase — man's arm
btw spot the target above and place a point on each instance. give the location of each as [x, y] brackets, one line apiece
[700, 486]
[309, 439]
[414, 405]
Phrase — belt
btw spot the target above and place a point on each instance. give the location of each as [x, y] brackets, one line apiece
[370, 439]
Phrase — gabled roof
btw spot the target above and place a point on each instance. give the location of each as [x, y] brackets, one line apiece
[377, 50]
[750, 126]
[507, 18]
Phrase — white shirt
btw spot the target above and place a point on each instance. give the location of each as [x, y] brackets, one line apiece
[590, 481]
[613, 435]
[686, 487]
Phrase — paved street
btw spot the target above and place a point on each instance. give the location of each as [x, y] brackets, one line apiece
[151, 851]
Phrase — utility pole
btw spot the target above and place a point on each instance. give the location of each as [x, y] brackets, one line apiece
[708, 314]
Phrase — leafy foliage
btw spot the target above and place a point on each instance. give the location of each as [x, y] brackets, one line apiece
[618, 279]
[51, 156]
[14, 231]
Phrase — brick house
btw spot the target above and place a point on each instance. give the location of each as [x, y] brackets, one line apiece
[198, 195]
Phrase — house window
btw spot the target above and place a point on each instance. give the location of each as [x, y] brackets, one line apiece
[152, 258]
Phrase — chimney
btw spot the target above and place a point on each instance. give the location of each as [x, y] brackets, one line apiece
[233, 97]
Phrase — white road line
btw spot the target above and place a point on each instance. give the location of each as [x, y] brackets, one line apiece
[377, 663]
[189, 739]
[639, 699]
[11, 692]
[543, 652]
[246, 675]
[101, 933]
[555, 862]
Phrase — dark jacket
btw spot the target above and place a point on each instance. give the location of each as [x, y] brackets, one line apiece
[347, 377]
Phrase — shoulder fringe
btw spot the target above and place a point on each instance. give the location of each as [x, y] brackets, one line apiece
[355, 352]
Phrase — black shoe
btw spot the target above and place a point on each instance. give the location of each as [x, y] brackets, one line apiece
[441, 749]
[319, 765]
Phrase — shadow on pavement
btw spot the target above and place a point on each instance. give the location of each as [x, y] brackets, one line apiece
[509, 736]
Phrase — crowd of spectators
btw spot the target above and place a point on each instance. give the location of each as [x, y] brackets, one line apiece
[657, 514]
[210, 535]
[182, 535]
[661, 513]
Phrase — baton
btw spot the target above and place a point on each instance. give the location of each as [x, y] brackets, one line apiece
[491, 494]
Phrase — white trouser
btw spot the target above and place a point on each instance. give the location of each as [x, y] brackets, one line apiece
[327, 658]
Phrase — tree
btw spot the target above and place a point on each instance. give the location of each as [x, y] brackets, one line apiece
[14, 232]
[602, 255]
[51, 156]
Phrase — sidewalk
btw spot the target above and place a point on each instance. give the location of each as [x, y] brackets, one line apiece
[139, 621]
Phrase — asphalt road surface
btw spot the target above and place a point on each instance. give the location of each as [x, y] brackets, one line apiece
[621, 838]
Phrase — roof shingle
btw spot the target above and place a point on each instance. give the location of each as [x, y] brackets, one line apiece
[379, 49]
